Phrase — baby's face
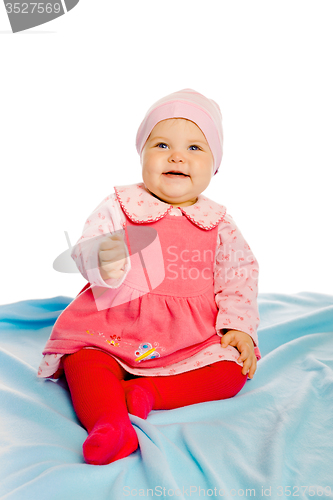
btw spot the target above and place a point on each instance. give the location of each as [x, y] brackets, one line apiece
[177, 145]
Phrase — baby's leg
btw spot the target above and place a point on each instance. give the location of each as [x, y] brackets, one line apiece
[220, 380]
[99, 401]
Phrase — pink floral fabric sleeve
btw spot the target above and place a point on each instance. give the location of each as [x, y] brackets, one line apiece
[104, 221]
[236, 283]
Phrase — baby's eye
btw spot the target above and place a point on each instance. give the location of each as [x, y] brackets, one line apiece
[161, 144]
[195, 147]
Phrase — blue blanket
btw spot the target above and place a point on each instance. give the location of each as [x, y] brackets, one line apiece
[274, 439]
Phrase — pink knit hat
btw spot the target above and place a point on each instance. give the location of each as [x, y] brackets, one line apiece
[189, 104]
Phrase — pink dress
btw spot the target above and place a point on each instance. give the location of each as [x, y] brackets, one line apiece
[189, 274]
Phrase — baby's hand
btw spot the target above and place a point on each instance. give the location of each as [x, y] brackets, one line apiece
[244, 343]
[112, 256]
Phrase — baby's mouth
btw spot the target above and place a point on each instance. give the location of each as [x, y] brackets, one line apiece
[174, 173]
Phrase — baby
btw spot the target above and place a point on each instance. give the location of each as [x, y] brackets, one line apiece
[169, 315]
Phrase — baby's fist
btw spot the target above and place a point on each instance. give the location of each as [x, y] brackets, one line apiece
[112, 256]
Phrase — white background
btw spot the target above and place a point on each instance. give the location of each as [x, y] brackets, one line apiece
[74, 91]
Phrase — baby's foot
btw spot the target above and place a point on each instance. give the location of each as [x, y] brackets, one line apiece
[108, 442]
[139, 397]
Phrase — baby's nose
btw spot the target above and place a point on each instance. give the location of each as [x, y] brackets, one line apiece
[176, 157]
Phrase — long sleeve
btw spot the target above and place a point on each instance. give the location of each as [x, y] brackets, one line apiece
[236, 283]
[105, 220]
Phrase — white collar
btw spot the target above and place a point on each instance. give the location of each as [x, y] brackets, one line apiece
[141, 207]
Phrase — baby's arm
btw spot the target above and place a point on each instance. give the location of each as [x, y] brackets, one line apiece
[97, 251]
[236, 290]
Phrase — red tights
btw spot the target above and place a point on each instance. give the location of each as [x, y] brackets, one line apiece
[102, 398]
